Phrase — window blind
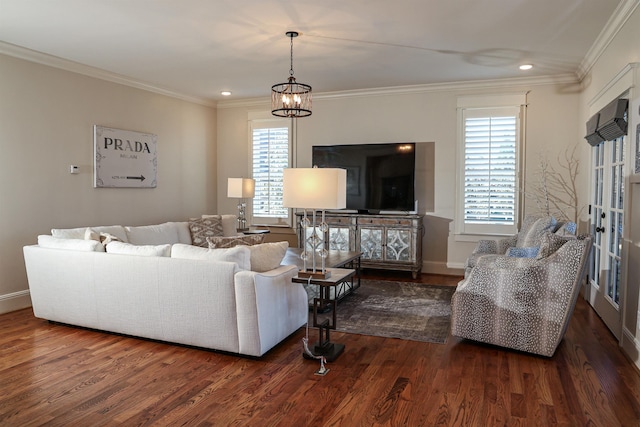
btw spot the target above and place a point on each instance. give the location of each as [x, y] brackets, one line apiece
[490, 164]
[270, 147]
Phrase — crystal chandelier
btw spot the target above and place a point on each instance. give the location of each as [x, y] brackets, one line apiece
[291, 99]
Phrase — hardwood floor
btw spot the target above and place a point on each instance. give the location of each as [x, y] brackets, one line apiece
[57, 375]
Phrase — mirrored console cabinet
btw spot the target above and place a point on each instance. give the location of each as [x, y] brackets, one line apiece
[387, 241]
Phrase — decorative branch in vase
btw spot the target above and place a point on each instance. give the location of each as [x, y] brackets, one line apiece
[555, 191]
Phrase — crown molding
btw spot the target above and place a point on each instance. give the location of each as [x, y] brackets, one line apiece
[606, 36]
[568, 78]
[75, 67]
[64, 64]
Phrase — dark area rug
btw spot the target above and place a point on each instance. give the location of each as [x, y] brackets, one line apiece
[411, 311]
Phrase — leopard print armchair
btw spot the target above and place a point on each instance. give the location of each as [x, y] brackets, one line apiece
[522, 303]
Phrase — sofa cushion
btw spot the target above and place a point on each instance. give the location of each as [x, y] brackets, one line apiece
[140, 250]
[229, 242]
[78, 233]
[184, 234]
[228, 224]
[153, 234]
[47, 241]
[202, 228]
[239, 254]
[267, 256]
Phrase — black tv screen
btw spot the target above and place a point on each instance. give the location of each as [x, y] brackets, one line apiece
[380, 177]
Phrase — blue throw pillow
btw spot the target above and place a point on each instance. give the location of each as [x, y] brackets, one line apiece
[567, 229]
[529, 252]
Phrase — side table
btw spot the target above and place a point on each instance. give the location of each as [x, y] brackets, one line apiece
[324, 346]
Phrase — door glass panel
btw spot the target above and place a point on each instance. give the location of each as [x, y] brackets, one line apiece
[614, 187]
[621, 188]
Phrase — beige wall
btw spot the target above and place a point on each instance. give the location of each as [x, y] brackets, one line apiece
[423, 116]
[46, 124]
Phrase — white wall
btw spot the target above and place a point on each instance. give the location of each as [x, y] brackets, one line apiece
[46, 124]
[426, 115]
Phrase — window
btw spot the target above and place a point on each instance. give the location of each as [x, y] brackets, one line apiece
[488, 196]
[270, 142]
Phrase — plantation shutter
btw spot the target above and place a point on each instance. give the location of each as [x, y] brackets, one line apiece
[270, 146]
[490, 167]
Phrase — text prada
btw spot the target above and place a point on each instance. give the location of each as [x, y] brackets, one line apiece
[126, 145]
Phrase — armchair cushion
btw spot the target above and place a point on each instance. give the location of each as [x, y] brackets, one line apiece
[532, 230]
[551, 242]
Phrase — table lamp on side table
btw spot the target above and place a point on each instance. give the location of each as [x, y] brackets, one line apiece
[315, 189]
[241, 188]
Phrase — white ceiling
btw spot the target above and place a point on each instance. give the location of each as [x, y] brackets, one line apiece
[197, 48]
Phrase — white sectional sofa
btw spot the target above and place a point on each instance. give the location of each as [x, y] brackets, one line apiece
[209, 298]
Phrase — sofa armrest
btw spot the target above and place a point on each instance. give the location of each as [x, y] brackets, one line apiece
[486, 246]
[270, 307]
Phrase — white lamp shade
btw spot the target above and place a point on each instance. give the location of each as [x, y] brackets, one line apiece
[241, 188]
[315, 188]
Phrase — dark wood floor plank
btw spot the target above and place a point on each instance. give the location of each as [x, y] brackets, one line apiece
[58, 375]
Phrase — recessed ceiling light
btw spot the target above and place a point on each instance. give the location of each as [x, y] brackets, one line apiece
[526, 66]
[225, 93]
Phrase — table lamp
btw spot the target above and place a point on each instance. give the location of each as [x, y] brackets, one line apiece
[316, 189]
[241, 188]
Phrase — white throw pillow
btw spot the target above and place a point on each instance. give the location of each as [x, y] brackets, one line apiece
[267, 256]
[47, 241]
[78, 233]
[239, 254]
[143, 250]
[153, 234]
[104, 238]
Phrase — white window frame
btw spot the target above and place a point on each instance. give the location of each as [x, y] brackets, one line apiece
[478, 107]
[263, 121]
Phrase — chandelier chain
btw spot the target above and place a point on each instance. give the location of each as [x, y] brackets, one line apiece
[291, 68]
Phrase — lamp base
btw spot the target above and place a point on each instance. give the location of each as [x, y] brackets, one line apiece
[314, 274]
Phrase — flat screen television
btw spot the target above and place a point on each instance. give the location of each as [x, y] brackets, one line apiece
[380, 177]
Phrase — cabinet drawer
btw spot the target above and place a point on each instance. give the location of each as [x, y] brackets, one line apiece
[335, 220]
[386, 221]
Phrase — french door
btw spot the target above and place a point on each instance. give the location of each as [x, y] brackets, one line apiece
[607, 219]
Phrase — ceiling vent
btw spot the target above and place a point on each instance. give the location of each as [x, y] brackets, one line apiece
[613, 120]
[593, 137]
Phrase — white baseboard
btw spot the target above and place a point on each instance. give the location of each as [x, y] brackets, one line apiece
[433, 267]
[14, 301]
[631, 346]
